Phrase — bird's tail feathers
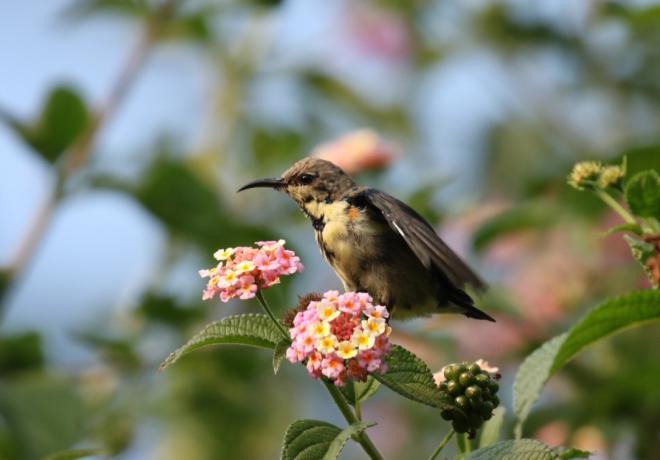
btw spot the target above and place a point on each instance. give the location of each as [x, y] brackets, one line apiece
[466, 305]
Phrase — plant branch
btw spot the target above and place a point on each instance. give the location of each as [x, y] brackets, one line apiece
[442, 445]
[269, 312]
[362, 438]
[79, 153]
[616, 206]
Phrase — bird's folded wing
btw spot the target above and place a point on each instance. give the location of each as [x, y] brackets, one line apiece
[422, 239]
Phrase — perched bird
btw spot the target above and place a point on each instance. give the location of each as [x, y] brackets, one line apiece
[377, 244]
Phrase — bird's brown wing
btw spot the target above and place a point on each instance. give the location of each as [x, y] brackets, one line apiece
[422, 239]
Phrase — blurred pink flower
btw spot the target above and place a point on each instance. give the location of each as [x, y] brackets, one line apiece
[357, 151]
[241, 271]
[377, 31]
[338, 338]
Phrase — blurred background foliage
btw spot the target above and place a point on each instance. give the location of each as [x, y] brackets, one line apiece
[118, 178]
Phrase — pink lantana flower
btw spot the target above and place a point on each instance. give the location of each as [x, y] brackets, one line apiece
[337, 337]
[241, 271]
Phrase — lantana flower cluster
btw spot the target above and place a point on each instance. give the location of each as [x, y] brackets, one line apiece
[241, 271]
[341, 337]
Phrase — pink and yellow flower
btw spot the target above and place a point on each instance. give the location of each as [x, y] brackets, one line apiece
[337, 338]
[242, 271]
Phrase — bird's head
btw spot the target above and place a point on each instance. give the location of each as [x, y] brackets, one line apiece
[309, 180]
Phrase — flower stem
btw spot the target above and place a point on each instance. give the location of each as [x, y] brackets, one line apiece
[350, 417]
[612, 203]
[442, 445]
[269, 312]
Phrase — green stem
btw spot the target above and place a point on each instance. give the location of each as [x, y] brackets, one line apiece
[350, 417]
[264, 304]
[442, 445]
[358, 410]
[616, 206]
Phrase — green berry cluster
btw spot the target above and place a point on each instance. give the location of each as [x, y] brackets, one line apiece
[472, 390]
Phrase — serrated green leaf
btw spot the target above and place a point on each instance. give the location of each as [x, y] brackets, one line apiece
[248, 329]
[531, 215]
[63, 118]
[642, 251]
[74, 454]
[490, 433]
[279, 353]
[606, 319]
[410, 377]
[643, 194]
[317, 440]
[359, 391]
[521, 449]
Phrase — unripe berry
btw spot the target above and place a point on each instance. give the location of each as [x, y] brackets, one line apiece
[474, 369]
[451, 372]
[473, 392]
[453, 387]
[465, 379]
[461, 401]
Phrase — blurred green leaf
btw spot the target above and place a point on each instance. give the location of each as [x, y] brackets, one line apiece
[490, 433]
[528, 216]
[167, 310]
[118, 351]
[521, 449]
[128, 8]
[316, 440]
[642, 251]
[20, 352]
[248, 329]
[359, 391]
[568, 453]
[272, 148]
[279, 354]
[75, 454]
[190, 209]
[43, 414]
[410, 377]
[63, 118]
[640, 158]
[602, 321]
[643, 194]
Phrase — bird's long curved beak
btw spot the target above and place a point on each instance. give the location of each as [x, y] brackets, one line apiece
[263, 183]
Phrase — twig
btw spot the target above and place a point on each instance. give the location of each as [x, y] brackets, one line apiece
[78, 155]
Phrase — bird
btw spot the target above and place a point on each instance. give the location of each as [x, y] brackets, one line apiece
[378, 244]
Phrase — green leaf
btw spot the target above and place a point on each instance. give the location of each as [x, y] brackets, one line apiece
[175, 194]
[568, 453]
[63, 118]
[42, 414]
[75, 454]
[608, 318]
[20, 352]
[248, 329]
[642, 251]
[279, 353]
[317, 440]
[359, 391]
[521, 449]
[627, 227]
[490, 433]
[531, 215]
[410, 377]
[643, 194]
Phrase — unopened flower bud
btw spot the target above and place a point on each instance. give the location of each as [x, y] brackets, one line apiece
[472, 389]
[584, 174]
[611, 176]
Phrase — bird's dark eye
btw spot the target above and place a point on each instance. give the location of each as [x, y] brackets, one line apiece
[306, 178]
